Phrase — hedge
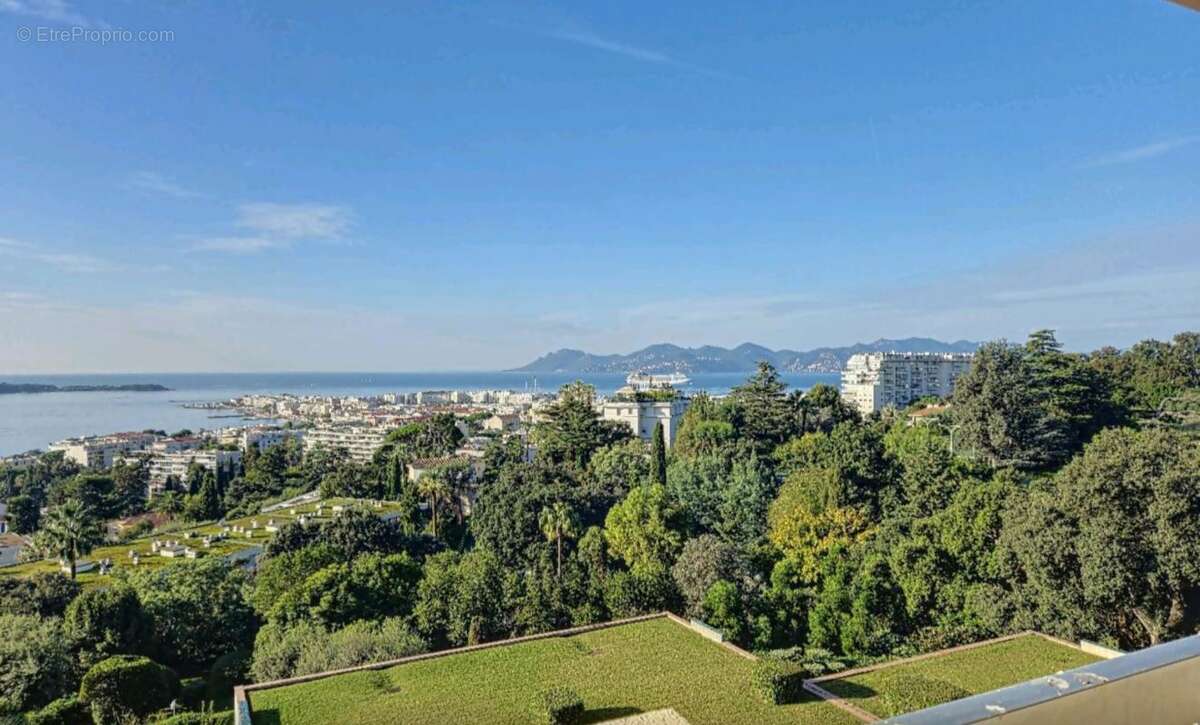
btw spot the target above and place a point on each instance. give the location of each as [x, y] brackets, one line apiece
[63, 711]
[125, 685]
[227, 671]
[778, 682]
[563, 706]
[224, 717]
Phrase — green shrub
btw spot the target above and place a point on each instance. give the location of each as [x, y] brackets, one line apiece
[227, 671]
[563, 706]
[815, 660]
[193, 691]
[125, 686]
[778, 682]
[104, 622]
[224, 717]
[36, 666]
[63, 711]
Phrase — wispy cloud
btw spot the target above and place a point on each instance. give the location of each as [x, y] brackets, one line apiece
[19, 297]
[55, 11]
[278, 226]
[239, 245]
[66, 261]
[629, 51]
[633, 52]
[295, 221]
[1141, 153]
[157, 183]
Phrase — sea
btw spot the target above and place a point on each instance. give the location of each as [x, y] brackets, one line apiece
[32, 421]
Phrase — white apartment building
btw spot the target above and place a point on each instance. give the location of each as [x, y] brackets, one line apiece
[100, 451]
[435, 397]
[163, 465]
[642, 414]
[175, 445]
[360, 441]
[877, 380]
[266, 438]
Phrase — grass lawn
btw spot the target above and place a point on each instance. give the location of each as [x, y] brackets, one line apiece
[191, 536]
[617, 671]
[903, 688]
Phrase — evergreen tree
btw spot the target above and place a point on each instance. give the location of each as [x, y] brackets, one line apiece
[1076, 397]
[571, 429]
[210, 496]
[761, 410]
[658, 455]
[1000, 408]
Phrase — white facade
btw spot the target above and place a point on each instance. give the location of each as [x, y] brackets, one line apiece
[877, 380]
[100, 451]
[176, 463]
[266, 438]
[361, 442]
[642, 415]
[175, 445]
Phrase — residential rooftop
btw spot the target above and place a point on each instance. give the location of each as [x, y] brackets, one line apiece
[620, 669]
[661, 669]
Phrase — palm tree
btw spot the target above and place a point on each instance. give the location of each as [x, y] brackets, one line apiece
[71, 532]
[557, 523]
[436, 488]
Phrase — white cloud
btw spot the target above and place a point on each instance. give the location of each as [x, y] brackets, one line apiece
[595, 42]
[75, 262]
[66, 261]
[295, 221]
[1141, 153]
[18, 297]
[192, 332]
[159, 184]
[55, 11]
[239, 245]
[629, 51]
[278, 226]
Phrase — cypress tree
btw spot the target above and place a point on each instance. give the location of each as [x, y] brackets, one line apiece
[658, 455]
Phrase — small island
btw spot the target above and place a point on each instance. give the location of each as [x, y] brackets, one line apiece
[13, 388]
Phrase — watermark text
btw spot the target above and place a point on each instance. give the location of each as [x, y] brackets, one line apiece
[80, 34]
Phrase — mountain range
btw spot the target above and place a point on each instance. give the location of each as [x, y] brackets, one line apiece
[665, 357]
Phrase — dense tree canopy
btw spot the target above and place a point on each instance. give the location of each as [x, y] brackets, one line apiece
[1055, 493]
[571, 430]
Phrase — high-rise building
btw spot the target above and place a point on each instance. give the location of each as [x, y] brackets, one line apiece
[165, 465]
[876, 380]
[360, 442]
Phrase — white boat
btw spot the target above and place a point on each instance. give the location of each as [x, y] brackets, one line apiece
[645, 381]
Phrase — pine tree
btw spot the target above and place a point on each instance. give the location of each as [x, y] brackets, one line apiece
[762, 412]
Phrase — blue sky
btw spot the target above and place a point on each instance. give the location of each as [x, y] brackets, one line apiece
[433, 185]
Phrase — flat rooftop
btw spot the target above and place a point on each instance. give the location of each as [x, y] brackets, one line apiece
[624, 670]
[903, 686]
